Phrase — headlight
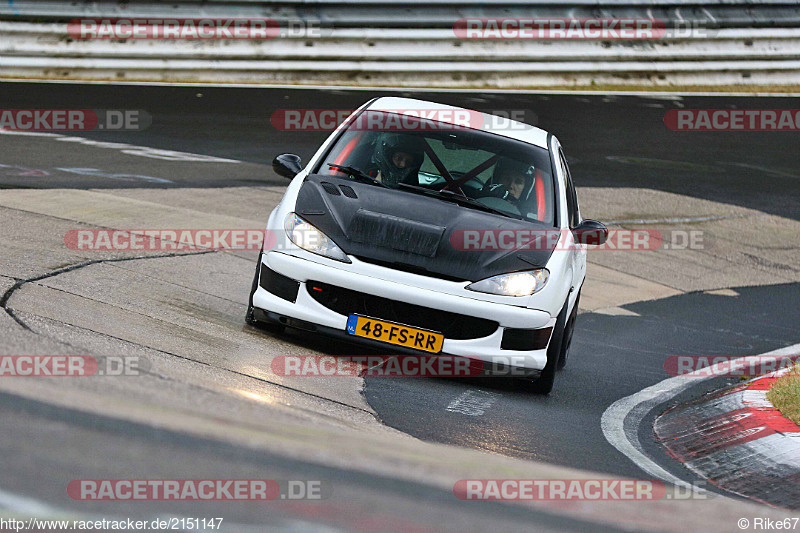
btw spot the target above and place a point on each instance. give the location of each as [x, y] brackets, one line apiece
[311, 239]
[513, 284]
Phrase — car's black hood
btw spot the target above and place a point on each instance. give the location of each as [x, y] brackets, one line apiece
[410, 231]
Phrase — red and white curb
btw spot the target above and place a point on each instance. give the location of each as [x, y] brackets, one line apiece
[738, 441]
[623, 419]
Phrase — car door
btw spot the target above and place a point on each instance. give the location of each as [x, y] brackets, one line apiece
[578, 251]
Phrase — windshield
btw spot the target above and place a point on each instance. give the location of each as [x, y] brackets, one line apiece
[407, 153]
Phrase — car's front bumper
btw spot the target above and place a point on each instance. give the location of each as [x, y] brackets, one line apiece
[307, 309]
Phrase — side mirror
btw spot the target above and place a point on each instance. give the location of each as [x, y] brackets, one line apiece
[287, 165]
[591, 232]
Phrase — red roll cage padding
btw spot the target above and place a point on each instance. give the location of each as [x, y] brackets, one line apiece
[346, 151]
[541, 205]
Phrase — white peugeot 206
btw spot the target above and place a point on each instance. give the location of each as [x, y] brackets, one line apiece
[430, 229]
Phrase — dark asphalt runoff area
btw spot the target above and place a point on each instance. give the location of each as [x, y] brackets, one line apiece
[611, 141]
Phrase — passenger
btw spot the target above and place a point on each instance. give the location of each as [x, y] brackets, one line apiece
[510, 181]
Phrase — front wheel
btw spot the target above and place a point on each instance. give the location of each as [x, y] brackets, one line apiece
[544, 384]
[568, 331]
[250, 316]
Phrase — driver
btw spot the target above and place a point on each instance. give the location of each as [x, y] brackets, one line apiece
[509, 180]
[398, 158]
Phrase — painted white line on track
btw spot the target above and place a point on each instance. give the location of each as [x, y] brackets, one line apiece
[473, 402]
[620, 422]
[27, 506]
[675, 220]
[130, 149]
[97, 173]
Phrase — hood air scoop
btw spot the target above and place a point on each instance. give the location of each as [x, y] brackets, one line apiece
[400, 234]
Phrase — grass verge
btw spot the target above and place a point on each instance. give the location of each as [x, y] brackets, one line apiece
[785, 395]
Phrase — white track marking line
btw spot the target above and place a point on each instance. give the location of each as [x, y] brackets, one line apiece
[635, 407]
[129, 149]
[97, 173]
[473, 402]
[675, 220]
[27, 506]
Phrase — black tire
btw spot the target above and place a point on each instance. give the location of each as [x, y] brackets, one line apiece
[544, 384]
[566, 341]
[250, 317]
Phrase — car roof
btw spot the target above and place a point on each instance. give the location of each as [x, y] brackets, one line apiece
[473, 119]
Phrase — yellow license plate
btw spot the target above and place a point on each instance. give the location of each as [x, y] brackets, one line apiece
[380, 330]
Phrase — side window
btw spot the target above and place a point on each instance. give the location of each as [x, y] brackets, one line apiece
[572, 198]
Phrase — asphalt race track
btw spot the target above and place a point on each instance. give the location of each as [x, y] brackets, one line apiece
[617, 145]
[614, 356]
[743, 168]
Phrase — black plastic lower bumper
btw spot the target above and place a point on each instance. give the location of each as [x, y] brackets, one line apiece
[487, 369]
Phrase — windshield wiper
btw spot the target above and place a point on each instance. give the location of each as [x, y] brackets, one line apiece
[459, 199]
[357, 174]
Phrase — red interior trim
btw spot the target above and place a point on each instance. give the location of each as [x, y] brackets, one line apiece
[348, 149]
[541, 208]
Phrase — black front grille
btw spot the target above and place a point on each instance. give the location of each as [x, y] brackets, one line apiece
[452, 325]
